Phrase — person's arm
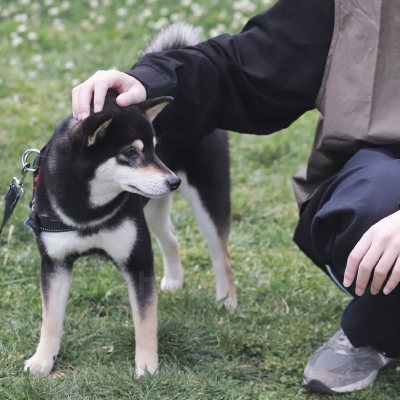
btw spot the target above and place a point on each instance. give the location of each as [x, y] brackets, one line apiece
[258, 81]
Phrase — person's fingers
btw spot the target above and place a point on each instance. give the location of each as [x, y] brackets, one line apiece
[382, 269]
[81, 99]
[394, 279]
[135, 94]
[366, 266]
[96, 87]
[355, 258]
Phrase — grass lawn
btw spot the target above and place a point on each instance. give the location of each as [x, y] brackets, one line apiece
[287, 307]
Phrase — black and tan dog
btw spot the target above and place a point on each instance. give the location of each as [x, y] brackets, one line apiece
[92, 195]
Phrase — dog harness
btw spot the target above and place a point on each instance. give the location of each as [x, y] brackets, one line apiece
[37, 222]
[43, 223]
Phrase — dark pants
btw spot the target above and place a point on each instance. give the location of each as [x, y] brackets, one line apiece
[366, 190]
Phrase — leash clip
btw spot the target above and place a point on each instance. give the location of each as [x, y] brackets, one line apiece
[25, 163]
[16, 190]
[18, 184]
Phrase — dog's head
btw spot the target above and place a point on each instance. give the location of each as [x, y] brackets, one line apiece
[117, 146]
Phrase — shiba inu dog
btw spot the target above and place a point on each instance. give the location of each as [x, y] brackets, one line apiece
[100, 185]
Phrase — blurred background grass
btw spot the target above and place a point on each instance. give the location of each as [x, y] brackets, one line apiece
[287, 307]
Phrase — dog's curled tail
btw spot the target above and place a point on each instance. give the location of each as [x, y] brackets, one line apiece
[174, 36]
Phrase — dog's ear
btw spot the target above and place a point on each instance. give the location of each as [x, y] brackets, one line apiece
[95, 125]
[153, 107]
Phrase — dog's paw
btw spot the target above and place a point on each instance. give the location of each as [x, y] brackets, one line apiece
[146, 364]
[171, 284]
[39, 364]
[228, 302]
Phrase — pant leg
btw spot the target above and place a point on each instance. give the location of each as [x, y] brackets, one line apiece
[366, 190]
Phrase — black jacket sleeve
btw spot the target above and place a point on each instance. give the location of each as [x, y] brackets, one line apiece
[258, 81]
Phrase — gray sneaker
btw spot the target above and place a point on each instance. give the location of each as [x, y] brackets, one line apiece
[338, 367]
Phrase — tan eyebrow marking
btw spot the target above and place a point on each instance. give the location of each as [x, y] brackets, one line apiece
[138, 144]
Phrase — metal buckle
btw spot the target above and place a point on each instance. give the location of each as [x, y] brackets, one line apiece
[18, 184]
[25, 163]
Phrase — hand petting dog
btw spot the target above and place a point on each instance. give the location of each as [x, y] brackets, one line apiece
[130, 90]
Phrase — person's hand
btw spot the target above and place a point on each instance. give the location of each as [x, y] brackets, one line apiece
[376, 254]
[130, 89]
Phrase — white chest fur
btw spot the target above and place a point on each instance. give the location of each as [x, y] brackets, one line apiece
[117, 242]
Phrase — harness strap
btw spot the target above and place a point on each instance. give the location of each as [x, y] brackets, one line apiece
[41, 223]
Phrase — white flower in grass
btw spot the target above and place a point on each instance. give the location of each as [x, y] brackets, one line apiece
[197, 9]
[93, 3]
[38, 61]
[85, 24]
[88, 46]
[69, 65]
[32, 36]
[176, 17]
[22, 28]
[221, 28]
[48, 2]
[106, 2]
[244, 5]
[238, 16]
[58, 25]
[24, 2]
[266, 2]
[147, 13]
[130, 2]
[16, 41]
[164, 11]
[120, 25]
[35, 6]
[122, 12]
[53, 11]
[161, 23]
[65, 5]
[92, 15]
[187, 3]
[37, 58]
[75, 82]
[23, 18]
[214, 32]
[101, 20]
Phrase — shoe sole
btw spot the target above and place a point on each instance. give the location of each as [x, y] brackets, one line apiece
[317, 386]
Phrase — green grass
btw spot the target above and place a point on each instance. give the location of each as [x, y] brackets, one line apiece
[287, 307]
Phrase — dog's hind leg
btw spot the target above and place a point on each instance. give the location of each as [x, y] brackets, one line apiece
[143, 298]
[157, 213]
[217, 240]
[55, 285]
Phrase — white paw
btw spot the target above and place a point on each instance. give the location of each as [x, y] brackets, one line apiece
[39, 364]
[171, 284]
[228, 302]
[147, 367]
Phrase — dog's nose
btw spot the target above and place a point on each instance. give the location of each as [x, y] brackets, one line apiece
[173, 182]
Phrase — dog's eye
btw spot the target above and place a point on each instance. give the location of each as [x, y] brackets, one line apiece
[129, 153]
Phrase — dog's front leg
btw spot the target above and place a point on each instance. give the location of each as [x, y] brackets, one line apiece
[56, 281]
[143, 299]
[157, 213]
